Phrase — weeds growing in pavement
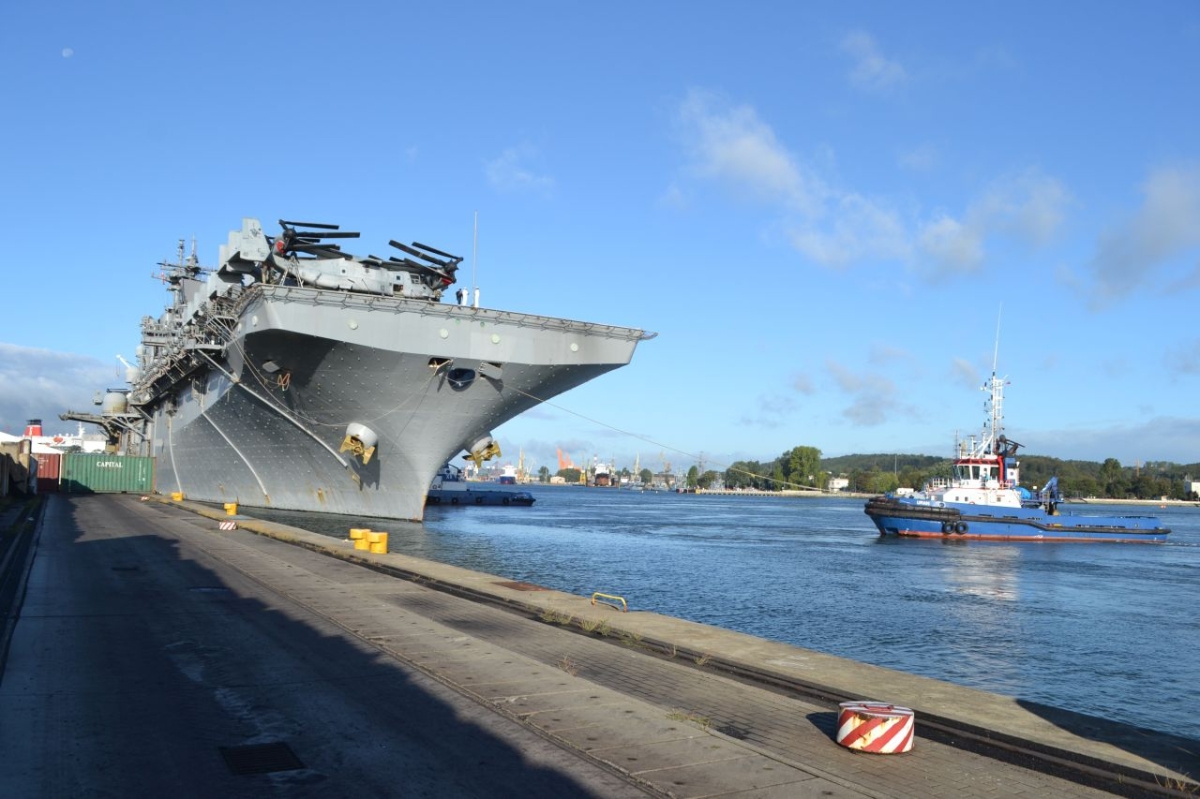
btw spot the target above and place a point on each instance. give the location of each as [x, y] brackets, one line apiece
[556, 617]
[1183, 786]
[704, 722]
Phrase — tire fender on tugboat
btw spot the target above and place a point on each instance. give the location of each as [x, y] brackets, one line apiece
[947, 528]
[961, 528]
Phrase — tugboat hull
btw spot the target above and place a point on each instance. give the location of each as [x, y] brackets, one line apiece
[913, 519]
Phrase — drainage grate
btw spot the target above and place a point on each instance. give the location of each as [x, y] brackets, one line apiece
[517, 585]
[259, 758]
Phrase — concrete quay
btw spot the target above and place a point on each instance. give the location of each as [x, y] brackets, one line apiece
[154, 654]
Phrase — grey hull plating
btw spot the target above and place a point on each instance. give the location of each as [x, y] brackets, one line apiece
[264, 424]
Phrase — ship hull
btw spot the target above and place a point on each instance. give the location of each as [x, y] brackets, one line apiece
[465, 497]
[956, 522]
[263, 422]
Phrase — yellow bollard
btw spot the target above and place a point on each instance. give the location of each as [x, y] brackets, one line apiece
[177, 496]
[231, 509]
[362, 543]
[358, 532]
[378, 543]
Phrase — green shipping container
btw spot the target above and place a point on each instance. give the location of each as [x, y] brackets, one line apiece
[101, 473]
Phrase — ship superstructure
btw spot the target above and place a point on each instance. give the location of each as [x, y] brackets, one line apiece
[297, 376]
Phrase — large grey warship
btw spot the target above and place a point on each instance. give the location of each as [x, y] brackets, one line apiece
[298, 376]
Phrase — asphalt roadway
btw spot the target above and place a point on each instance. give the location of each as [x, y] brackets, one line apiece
[151, 654]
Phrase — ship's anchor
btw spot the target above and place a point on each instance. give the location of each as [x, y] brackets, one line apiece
[360, 441]
[482, 450]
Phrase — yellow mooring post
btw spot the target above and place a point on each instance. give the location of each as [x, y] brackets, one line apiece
[177, 496]
[377, 543]
[359, 536]
[231, 509]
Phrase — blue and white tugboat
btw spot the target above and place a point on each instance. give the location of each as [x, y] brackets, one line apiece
[982, 500]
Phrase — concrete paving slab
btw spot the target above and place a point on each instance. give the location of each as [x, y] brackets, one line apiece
[717, 777]
[491, 687]
[809, 789]
[685, 751]
[613, 714]
[562, 702]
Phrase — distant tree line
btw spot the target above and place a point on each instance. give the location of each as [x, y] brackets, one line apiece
[802, 467]
[1150, 480]
[799, 467]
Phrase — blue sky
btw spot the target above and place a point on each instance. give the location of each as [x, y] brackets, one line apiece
[822, 209]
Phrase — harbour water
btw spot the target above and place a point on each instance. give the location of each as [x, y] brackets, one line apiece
[1111, 630]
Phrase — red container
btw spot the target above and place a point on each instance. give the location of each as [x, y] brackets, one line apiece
[49, 465]
[48, 471]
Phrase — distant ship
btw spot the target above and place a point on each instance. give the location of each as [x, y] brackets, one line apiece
[982, 500]
[297, 376]
[602, 473]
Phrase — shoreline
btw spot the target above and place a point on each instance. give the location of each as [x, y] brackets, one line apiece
[1162, 503]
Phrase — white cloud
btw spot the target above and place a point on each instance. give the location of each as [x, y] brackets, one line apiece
[731, 144]
[510, 172]
[1185, 359]
[847, 381]
[803, 384]
[836, 226]
[996, 58]
[951, 245]
[673, 197]
[1159, 438]
[884, 354]
[771, 410]
[872, 396]
[1187, 282]
[918, 159]
[852, 228]
[868, 410]
[965, 374]
[41, 384]
[1028, 207]
[1165, 227]
[871, 70]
